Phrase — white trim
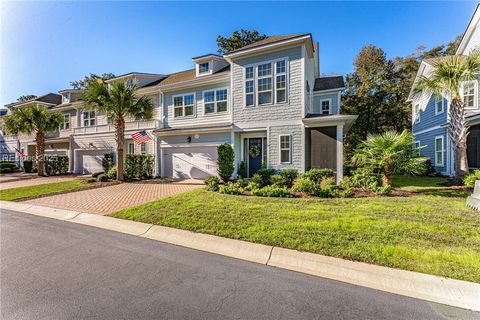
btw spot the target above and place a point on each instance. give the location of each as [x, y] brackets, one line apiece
[247, 51]
[62, 127]
[215, 107]
[320, 92]
[183, 95]
[280, 148]
[90, 118]
[416, 114]
[339, 102]
[437, 163]
[209, 71]
[475, 95]
[428, 130]
[190, 145]
[436, 105]
[415, 142]
[329, 106]
[339, 164]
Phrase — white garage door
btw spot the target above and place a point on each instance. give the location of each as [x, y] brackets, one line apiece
[89, 161]
[191, 162]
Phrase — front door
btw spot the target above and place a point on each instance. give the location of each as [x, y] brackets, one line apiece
[255, 155]
[473, 147]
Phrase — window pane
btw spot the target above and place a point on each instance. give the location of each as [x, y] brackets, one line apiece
[438, 144]
[469, 101]
[469, 88]
[92, 114]
[249, 73]
[221, 106]
[204, 67]
[265, 97]
[85, 123]
[285, 142]
[177, 101]
[281, 96]
[249, 100]
[189, 111]
[188, 100]
[281, 66]
[325, 107]
[264, 69]
[221, 95]
[264, 84]
[285, 156]
[92, 122]
[281, 82]
[178, 112]
[249, 86]
[209, 96]
[209, 107]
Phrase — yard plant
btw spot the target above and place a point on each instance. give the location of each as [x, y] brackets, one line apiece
[225, 161]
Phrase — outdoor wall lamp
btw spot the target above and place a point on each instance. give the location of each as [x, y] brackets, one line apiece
[189, 139]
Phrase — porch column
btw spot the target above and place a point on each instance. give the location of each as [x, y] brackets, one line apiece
[339, 153]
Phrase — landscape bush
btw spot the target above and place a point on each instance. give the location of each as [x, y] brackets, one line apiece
[231, 188]
[242, 183]
[107, 162]
[316, 175]
[56, 165]
[266, 174]
[303, 184]
[277, 181]
[242, 170]
[112, 172]
[272, 191]
[138, 166]
[252, 186]
[288, 176]
[257, 180]
[212, 183]
[96, 174]
[327, 188]
[28, 166]
[469, 179]
[7, 166]
[225, 161]
[102, 178]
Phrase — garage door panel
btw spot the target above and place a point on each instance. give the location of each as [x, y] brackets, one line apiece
[89, 161]
[186, 163]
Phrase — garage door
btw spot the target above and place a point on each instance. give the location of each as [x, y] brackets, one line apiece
[89, 161]
[190, 163]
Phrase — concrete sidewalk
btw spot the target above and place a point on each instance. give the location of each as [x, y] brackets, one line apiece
[447, 291]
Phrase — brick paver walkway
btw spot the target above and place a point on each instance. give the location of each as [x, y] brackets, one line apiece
[33, 182]
[113, 198]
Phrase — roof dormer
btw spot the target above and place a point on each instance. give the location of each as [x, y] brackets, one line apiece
[209, 64]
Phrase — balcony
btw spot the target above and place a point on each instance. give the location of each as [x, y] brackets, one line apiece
[105, 128]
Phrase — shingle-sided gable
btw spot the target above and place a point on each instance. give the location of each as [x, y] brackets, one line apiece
[329, 83]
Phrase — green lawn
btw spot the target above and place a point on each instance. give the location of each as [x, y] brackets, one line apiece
[432, 232]
[41, 190]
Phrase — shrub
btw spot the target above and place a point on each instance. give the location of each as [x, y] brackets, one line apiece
[96, 174]
[102, 178]
[266, 173]
[231, 188]
[107, 162]
[316, 175]
[252, 186]
[326, 188]
[288, 176]
[272, 191]
[55, 165]
[303, 185]
[138, 166]
[92, 179]
[242, 183]
[258, 180]
[112, 173]
[242, 170]
[7, 167]
[225, 160]
[28, 166]
[212, 183]
[277, 181]
[469, 179]
[364, 178]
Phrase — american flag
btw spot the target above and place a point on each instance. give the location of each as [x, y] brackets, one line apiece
[141, 137]
[20, 153]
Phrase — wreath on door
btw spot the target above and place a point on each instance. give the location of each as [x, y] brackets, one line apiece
[254, 152]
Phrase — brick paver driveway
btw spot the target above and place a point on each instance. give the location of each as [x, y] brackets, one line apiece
[34, 181]
[113, 198]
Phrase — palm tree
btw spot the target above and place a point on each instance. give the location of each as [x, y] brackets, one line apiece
[446, 80]
[389, 153]
[34, 119]
[118, 100]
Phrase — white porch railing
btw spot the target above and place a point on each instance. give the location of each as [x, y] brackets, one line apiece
[132, 125]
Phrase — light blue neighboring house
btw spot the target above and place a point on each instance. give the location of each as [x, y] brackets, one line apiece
[430, 113]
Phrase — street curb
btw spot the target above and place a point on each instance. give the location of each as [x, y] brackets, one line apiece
[447, 291]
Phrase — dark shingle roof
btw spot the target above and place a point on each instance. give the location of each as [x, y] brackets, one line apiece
[328, 83]
[269, 40]
[434, 61]
[182, 76]
[51, 98]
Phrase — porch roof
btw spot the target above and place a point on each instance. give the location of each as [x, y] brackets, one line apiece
[320, 120]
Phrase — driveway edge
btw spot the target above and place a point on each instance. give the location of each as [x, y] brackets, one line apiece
[437, 289]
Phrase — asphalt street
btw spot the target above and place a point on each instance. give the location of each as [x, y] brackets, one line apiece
[52, 269]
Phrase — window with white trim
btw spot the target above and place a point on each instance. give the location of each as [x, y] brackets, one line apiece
[416, 113]
[469, 94]
[66, 122]
[438, 105]
[143, 148]
[131, 148]
[266, 83]
[439, 151]
[215, 101]
[416, 148]
[89, 118]
[183, 105]
[204, 67]
[325, 106]
[285, 149]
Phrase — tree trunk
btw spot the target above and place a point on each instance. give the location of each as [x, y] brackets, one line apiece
[458, 132]
[120, 139]
[387, 176]
[40, 152]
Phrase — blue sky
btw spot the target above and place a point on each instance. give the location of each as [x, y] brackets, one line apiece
[44, 45]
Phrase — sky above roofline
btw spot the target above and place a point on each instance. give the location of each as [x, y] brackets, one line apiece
[48, 44]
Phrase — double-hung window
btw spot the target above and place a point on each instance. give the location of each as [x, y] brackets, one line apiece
[89, 118]
[131, 148]
[266, 83]
[325, 106]
[215, 101]
[66, 122]
[183, 105]
[285, 149]
[439, 151]
[438, 105]
[469, 94]
[204, 67]
[143, 148]
[416, 148]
